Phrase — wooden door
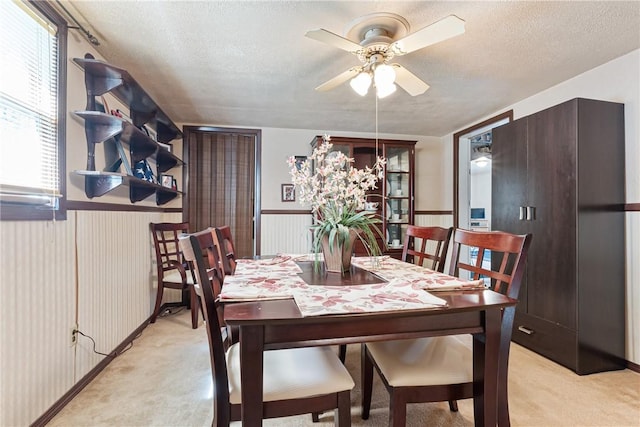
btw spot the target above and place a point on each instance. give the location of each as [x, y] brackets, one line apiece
[223, 183]
[551, 291]
[509, 185]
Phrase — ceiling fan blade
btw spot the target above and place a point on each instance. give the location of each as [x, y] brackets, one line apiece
[339, 79]
[408, 81]
[333, 39]
[443, 29]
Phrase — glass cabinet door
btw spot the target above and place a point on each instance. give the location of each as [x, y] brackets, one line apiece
[398, 194]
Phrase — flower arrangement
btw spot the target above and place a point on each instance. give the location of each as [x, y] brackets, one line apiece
[337, 191]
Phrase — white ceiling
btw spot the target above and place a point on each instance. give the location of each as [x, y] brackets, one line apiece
[241, 63]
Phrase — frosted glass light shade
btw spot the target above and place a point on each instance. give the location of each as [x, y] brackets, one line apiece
[386, 90]
[384, 75]
[360, 83]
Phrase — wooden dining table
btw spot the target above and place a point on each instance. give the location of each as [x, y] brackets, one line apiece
[275, 324]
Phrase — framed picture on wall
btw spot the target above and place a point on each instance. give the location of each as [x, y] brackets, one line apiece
[166, 180]
[288, 193]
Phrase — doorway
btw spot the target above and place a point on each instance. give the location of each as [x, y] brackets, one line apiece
[223, 186]
[466, 158]
[472, 179]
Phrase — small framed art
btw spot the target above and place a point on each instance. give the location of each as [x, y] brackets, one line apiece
[288, 193]
[166, 180]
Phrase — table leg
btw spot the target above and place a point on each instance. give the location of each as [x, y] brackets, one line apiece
[485, 371]
[251, 370]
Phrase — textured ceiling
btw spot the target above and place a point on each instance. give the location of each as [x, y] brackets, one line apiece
[240, 63]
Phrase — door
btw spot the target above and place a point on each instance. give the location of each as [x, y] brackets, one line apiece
[223, 183]
[509, 187]
[552, 192]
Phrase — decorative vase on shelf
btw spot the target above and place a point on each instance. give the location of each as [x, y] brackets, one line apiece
[337, 258]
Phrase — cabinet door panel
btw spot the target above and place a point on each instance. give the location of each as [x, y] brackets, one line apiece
[551, 169]
[509, 185]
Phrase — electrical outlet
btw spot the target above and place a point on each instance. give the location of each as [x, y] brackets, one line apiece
[74, 335]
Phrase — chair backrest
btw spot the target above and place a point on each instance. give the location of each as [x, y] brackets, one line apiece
[433, 247]
[165, 241]
[208, 280]
[224, 240]
[496, 255]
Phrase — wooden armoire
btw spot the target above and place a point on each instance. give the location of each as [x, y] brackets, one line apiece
[560, 175]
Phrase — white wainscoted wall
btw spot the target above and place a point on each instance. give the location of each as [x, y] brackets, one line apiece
[285, 233]
[96, 270]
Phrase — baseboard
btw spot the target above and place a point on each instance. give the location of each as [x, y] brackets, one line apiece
[633, 366]
[77, 387]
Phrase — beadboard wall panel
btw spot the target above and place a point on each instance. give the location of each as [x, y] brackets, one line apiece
[285, 233]
[37, 296]
[96, 269]
[116, 279]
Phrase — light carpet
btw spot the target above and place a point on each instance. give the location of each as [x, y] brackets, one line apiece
[165, 380]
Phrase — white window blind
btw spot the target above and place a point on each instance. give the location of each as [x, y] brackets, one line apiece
[29, 155]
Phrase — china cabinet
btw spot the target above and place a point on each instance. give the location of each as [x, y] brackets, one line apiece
[559, 174]
[393, 199]
[145, 131]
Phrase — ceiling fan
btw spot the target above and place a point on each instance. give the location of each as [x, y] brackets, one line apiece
[383, 36]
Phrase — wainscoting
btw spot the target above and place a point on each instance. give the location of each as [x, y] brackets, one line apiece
[96, 270]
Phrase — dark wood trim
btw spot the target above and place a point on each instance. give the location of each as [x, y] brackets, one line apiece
[74, 205]
[632, 207]
[434, 212]
[285, 212]
[456, 155]
[86, 380]
[633, 366]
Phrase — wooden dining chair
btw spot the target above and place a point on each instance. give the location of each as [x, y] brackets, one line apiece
[172, 269]
[224, 241]
[441, 368]
[434, 244]
[290, 387]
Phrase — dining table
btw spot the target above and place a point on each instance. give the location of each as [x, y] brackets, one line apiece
[291, 301]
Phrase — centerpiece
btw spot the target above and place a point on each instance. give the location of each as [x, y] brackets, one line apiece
[337, 193]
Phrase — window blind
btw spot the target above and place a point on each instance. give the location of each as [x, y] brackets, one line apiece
[29, 155]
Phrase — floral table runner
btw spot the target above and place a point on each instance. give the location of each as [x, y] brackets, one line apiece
[405, 289]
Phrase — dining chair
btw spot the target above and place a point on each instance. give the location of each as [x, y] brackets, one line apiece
[172, 269]
[438, 369]
[290, 387]
[434, 244]
[224, 241]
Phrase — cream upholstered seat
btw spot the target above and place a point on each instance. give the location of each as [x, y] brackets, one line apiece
[287, 374]
[433, 360]
[441, 368]
[295, 381]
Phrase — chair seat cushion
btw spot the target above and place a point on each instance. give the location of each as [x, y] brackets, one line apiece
[424, 361]
[293, 373]
[173, 276]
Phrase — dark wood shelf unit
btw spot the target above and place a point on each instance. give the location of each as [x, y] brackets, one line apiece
[402, 154]
[102, 78]
[559, 174]
[100, 183]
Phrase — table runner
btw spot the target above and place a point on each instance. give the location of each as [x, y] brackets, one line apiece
[277, 278]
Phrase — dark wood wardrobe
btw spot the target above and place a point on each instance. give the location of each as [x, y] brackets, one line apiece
[560, 174]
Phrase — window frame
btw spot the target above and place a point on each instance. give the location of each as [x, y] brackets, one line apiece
[11, 212]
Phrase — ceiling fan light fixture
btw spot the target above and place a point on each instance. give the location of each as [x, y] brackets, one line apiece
[384, 75]
[385, 90]
[360, 83]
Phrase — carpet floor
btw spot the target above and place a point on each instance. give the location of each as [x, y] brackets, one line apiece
[165, 380]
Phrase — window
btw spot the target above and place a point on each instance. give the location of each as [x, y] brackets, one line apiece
[33, 39]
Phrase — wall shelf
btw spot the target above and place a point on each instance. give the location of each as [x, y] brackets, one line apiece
[102, 78]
